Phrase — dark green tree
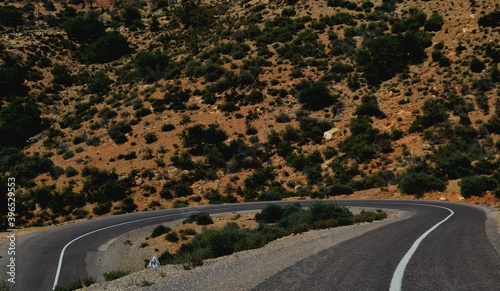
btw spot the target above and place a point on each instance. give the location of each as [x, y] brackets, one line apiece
[103, 186]
[192, 13]
[11, 80]
[434, 23]
[491, 19]
[315, 95]
[476, 65]
[419, 183]
[84, 29]
[369, 107]
[387, 55]
[19, 120]
[476, 185]
[131, 16]
[61, 75]
[117, 132]
[11, 16]
[109, 47]
[151, 67]
[198, 136]
[435, 111]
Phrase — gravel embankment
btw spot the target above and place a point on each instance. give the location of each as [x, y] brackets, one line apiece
[242, 270]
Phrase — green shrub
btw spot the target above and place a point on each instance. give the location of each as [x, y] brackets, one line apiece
[102, 208]
[192, 13]
[419, 183]
[273, 193]
[103, 186]
[259, 179]
[180, 203]
[167, 127]
[369, 216]
[128, 156]
[151, 67]
[117, 132]
[288, 12]
[412, 22]
[99, 83]
[78, 284]
[127, 205]
[12, 77]
[201, 218]
[131, 16]
[182, 189]
[312, 129]
[314, 95]
[435, 111]
[365, 140]
[115, 274]
[172, 237]
[84, 29]
[19, 120]
[61, 75]
[368, 182]
[438, 56]
[108, 47]
[159, 230]
[141, 112]
[476, 65]
[491, 19]
[476, 185]
[70, 172]
[188, 231]
[11, 16]
[177, 100]
[324, 211]
[150, 137]
[387, 55]
[369, 107]
[80, 213]
[339, 189]
[270, 214]
[198, 136]
[339, 71]
[219, 242]
[434, 23]
[68, 155]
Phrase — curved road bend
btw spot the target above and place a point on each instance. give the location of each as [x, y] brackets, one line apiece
[456, 255]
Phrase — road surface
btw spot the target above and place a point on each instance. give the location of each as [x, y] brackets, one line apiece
[442, 246]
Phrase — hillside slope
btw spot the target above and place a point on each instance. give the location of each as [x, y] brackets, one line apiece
[113, 107]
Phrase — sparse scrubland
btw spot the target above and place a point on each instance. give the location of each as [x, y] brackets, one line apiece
[115, 107]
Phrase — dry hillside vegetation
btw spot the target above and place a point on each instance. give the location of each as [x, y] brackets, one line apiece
[111, 107]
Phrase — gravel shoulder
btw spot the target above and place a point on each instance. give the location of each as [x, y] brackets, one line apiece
[493, 227]
[239, 271]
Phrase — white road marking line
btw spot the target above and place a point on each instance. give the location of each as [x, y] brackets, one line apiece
[59, 265]
[397, 277]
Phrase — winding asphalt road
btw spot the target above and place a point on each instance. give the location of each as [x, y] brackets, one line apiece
[442, 246]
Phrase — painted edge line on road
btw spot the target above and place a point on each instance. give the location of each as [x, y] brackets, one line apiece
[397, 277]
[399, 270]
[61, 256]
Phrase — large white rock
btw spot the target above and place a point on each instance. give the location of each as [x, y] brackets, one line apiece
[328, 135]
